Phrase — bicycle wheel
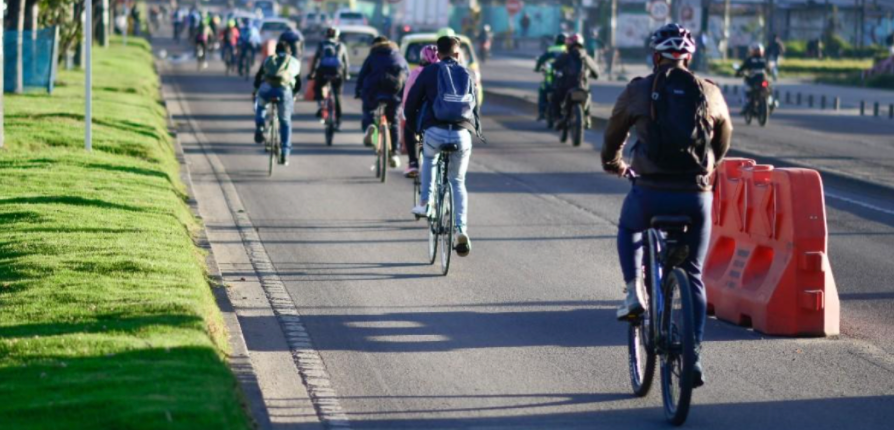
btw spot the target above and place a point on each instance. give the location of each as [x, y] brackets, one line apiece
[678, 360]
[330, 123]
[447, 222]
[763, 112]
[640, 343]
[577, 131]
[385, 152]
[434, 222]
[274, 145]
[748, 114]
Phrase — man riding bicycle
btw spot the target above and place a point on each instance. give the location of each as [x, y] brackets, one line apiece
[382, 79]
[277, 78]
[754, 69]
[545, 66]
[446, 97]
[230, 39]
[330, 65]
[249, 42]
[673, 160]
[573, 71]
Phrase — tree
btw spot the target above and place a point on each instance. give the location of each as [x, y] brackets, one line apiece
[20, 30]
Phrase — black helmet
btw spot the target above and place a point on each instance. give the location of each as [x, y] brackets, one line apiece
[283, 47]
[673, 41]
[560, 39]
[332, 33]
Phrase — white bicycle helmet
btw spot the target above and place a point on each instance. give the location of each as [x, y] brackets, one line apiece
[673, 41]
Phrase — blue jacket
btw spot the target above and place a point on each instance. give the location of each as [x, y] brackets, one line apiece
[418, 107]
[382, 57]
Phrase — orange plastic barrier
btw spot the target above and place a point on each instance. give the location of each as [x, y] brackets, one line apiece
[268, 48]
[768, 264]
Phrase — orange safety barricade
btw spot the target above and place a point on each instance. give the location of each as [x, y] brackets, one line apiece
[268, 48]
[768, 264]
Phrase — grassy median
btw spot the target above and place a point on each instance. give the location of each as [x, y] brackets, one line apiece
[107, 320]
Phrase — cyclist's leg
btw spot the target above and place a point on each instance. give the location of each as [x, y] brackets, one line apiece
[391, 114]
[261, 111]
[285, 119]
[541, 100]
[459, 165]
[635, 216]
[698, 207]
[430, 152]
[336, 92]
[411, 142]
[368, 115]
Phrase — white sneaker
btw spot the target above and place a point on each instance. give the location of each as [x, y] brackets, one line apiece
[632, 306]
[395, 161]
[422, 211]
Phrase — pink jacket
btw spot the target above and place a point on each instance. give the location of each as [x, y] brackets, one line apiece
[410, 81]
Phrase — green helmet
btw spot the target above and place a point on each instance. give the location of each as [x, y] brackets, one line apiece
[446, 31]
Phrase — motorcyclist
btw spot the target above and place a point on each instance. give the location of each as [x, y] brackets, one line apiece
[330, 64]
[545, 66]
[667, 185]
[573, 70]
[755, 69]
[382, 79]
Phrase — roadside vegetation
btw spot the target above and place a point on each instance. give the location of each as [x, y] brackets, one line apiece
[107, 320]
[802, 67]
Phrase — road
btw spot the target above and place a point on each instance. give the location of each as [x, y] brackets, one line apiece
[521, 334]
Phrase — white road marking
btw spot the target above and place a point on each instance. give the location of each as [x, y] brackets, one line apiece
[307, 359]
[860, 203]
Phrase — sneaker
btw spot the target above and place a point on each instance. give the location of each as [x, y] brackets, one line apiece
[632, 306]
[284, 159]
[395, 162]
[422, 211]
[463, 245]
[259, 135]
[698, 377]
[368, 137]
[411, 172]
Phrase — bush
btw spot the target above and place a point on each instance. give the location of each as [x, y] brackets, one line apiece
[796, 48]
[836, 46]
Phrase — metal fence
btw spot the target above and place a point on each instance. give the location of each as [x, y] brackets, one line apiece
[39, 52]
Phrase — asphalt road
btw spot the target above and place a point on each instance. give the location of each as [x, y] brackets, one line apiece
[522, 332]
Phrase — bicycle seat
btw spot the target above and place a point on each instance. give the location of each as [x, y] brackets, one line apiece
[450, 147]
[679, 223]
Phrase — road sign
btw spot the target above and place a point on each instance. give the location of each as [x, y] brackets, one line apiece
[659, 10]
[514, 6]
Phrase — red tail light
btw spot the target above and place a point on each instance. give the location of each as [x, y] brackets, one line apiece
[765, 84]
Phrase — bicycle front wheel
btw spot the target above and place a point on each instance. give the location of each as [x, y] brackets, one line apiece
[447, 222]
[678, 358]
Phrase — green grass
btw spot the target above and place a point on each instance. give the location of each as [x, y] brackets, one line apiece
[801, 67]
[107, 320]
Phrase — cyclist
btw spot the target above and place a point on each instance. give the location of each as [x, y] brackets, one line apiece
[428, 55]
[330, 64]
[447, 116]
[230, 38]
[295, 41]
[755, 68]
[545, 66]
[668, 184]
[573, 70]
[249, 41]
[202, 40]
[278, 77]
[381, 78]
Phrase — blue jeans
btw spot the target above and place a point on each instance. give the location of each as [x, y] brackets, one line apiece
[639, 207]
[459, 164]
[284, 108]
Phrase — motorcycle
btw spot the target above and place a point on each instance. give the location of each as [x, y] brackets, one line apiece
[575, 107]
[759, 100]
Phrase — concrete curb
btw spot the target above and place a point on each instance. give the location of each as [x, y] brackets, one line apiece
[238, 360]
[840, 178]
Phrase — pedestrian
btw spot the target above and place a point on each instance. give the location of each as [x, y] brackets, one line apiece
[775, 51]
[525, 24]
[445, 100]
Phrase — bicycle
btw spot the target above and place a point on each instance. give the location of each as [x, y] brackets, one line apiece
[230, 59]
[382, 139]
[666, 328]
[442, 221]
[417, 180]
[201, 56]
[328, 113]
[272, 140]
[246, 60]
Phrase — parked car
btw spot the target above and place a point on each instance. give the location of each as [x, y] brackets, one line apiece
[411, 46]
[349, 17]
[270, 9]
[357, 38]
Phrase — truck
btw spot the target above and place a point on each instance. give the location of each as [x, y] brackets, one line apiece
[423, 15]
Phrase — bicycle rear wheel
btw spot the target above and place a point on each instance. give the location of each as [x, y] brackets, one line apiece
[330, 123]
[274, 145]
[577, 131]
[678, 360]
[385, 152]
[434, 225]
[447, 225]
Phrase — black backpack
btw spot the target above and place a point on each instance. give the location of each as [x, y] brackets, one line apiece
[681, 132]
[573, 72]
[392, 79]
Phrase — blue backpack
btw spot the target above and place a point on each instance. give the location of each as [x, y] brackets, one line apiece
[455, 102]
[329, 58]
